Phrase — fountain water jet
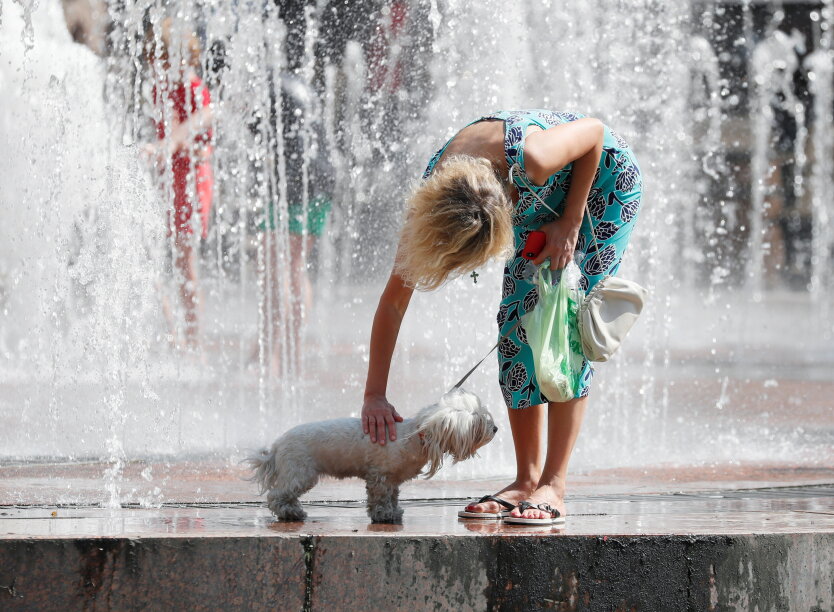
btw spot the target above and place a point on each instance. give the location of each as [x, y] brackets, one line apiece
[693, 385]
[820, 66]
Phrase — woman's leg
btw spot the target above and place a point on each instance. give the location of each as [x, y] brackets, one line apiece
[527, 426]
[186, 267]
[272, 304]
[277, 287]
[564, 420]
[301, 289]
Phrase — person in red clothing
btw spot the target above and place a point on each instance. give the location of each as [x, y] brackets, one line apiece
[182, 151]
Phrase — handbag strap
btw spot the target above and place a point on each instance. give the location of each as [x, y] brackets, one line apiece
[475, 367]
[529, 187]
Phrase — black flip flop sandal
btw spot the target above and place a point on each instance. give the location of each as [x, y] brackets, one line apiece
[488, 515]
[556, 517]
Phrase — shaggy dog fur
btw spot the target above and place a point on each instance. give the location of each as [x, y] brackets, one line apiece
[457, 426]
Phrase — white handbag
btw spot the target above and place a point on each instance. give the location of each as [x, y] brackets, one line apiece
[609, 310]
[607, 314]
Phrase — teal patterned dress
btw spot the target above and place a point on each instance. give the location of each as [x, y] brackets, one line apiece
[613, 204]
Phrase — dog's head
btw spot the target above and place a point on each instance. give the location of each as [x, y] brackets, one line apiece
[458, 425]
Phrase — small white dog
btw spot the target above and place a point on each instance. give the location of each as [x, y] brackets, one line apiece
[457, 426]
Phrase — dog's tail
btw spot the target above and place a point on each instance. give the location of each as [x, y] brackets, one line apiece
[265, 470]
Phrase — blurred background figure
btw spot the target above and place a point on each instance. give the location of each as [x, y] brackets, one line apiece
[339, 58]
[181, 154]
[288, 291]
[300, 210]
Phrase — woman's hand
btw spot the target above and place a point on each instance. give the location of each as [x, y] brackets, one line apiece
[377, 414]
[149, 152]
[157, 154]
[154, 155]
[562, 235]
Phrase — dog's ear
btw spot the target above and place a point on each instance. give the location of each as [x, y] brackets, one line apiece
[430, 432]
[452, 429]
[456, 426]
[466, 432]
[434, 427]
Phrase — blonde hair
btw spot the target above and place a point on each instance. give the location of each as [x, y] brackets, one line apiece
[457, 220]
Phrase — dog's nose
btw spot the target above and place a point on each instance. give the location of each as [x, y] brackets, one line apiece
[494, 428]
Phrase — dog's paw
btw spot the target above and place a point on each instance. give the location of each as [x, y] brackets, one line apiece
[389, 520]
[291, 518]
[289, 513]
[392, 516]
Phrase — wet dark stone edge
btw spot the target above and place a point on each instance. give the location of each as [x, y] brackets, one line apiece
[491, 572]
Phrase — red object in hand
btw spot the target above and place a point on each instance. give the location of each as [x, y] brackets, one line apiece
[534, 245]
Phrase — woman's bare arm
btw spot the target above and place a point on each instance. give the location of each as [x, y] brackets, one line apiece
[548, 151]
[377, 413]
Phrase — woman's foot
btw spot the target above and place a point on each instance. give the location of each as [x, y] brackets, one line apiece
[546, 494]
[513, 493]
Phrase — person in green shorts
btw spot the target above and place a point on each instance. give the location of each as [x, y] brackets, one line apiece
[287, 294]
[313, 225]
[287, 290]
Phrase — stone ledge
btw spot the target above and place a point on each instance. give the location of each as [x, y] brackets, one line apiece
[395, 572]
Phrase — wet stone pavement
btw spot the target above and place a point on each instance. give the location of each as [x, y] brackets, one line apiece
[735, 537]
[786, 510]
